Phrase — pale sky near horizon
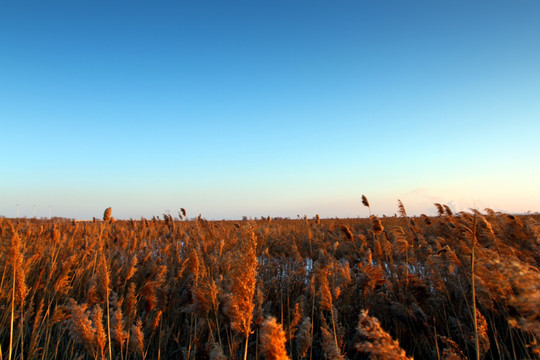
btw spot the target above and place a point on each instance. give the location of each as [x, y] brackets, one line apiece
[256, 108]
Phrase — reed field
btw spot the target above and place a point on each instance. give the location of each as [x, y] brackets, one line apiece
[453, 286]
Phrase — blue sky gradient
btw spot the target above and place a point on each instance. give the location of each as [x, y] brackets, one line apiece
[232, 108]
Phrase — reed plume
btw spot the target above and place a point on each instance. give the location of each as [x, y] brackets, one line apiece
[239, 305]
[378, 228]
[35, 330]
[216, 352]
[107, 214]
[101, 337]
[304, 337]
[273, 340]
[136, 338]
[19, 289]
[131, 302]
[16, 259]
[451, 350]
[347, 232]
[329, 345]
[105, 282]
[118, 328]
[490, 212]
[365, 202]
[373, 341]
[525, 297]
[440, 209]
[163, 284]
[80, 326]
[401, 209]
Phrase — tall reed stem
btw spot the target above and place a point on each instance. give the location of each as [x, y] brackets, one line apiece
[12, 316]
[246, 347]
[474, 290]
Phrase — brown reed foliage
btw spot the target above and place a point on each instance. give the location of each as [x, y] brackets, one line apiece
[168, 289]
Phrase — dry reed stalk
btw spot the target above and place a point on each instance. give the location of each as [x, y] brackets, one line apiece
[273, 340]
[105, 278]
[19, 289]
[214, 296]
[101, 338]
[132, 269]
[440, 283]
[35, 329]
[329, 344]
[297, 316]
[347, 232]
[482, 333]
[156, 320]
[137, 338]
[401, 209]
[62, 284]
[238, 304]
[323, 293]
[525, 297]
[118, 332]
[451, 350]
[303, 337]
[131, 303]
[473, 290]
[80, 326]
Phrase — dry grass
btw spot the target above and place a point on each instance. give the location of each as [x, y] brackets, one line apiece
[171, 289]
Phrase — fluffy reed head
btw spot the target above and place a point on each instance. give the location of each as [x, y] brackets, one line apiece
[375, 342]
[345, 229]
[303, 337]
[401, 209]
[378, 228]
[238, 304]
[273, 340]
[80, 326]
[118, 327]
[365, 201]
[329, 346]
[215, 351]
[15, 257]
[107, 214]
[137, 338]
[440, 209]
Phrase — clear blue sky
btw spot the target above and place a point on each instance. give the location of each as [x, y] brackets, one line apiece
[268, 107]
